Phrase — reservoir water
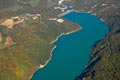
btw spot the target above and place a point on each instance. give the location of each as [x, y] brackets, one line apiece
[72, 53]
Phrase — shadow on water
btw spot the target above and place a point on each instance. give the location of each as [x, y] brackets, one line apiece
[72, 53]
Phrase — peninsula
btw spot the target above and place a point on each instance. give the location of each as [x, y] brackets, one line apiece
[28, 29]
[27, 32]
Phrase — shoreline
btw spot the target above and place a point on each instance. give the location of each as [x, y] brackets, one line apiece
[65, 34]
[67, 12]
[52, 42]
[42, 66]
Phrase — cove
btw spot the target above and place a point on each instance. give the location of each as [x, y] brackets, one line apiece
[72, 53]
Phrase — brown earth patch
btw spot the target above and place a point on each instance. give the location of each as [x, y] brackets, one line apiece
[9, 23]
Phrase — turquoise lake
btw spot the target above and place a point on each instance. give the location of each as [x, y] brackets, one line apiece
[72, 53]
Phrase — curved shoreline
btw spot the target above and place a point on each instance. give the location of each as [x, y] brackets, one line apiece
[60, 15]
[42, 66]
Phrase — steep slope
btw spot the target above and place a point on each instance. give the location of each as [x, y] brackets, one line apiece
[105, 55]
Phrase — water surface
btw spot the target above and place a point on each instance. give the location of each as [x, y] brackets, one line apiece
[73, 50]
